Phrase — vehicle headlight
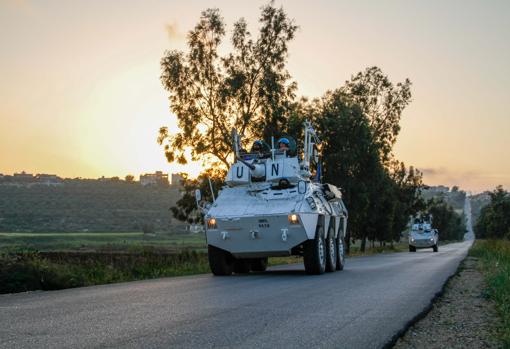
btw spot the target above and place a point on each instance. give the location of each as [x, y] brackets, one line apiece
[293, 218]
[211, 223]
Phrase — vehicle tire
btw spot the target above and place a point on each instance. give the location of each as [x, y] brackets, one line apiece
[340, 253]
[434, 248]
[221, 262]
[260, 264]
[412, 248]
[241, 266]
[314, 254]
[331, 250]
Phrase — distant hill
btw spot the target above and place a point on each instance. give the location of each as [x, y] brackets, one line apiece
[454, 197]
[86, 205]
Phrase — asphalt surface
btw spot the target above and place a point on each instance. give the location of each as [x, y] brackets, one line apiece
[363, 306]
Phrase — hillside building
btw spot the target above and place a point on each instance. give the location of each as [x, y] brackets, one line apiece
[438, 189]
[158, 178]
[48, 179]
[23, 177]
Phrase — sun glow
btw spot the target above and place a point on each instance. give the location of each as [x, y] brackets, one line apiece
[91, 104]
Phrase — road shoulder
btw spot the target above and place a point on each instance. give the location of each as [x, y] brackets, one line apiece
[462, 317]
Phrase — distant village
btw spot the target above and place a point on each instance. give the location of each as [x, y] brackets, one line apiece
[148, 179]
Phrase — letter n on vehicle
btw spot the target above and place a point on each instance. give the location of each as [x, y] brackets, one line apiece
[275, 168]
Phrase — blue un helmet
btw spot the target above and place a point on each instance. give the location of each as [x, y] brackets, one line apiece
[284, 141]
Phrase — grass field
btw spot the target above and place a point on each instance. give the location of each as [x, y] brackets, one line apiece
[494, 256]
[107, 241]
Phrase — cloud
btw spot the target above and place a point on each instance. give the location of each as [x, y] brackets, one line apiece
[430, 171]
[173, 32]
[474, 180]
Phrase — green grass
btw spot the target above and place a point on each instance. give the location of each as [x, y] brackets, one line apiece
[494, 256]
[107, 241]
[25, 271]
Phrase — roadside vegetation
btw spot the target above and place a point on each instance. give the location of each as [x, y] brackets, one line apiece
[31, 270]
[493, 224]
[494, 257]
[49, 261]
[494, 219]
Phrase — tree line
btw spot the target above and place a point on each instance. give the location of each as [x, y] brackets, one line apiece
[251, 90]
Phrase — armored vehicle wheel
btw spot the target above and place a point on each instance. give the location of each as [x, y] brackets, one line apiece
[412, 248]
[221, 262]
[331, 251]
[314, 255]
[340, 253]
[434, 248]
[241, 266]
[259, 264]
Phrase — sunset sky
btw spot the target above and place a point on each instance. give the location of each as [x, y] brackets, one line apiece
[80, 93]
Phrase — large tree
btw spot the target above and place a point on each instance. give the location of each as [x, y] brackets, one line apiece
[350, 160]
[382, 102]
[249, 89]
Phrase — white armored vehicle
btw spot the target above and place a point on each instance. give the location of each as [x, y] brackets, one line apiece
[422, 235]
[272, 205]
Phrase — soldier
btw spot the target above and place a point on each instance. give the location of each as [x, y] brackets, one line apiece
[283, 144]
[256, 147]
[261, 149]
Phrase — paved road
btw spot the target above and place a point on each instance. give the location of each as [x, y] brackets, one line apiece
[363, 306]
[470, 235]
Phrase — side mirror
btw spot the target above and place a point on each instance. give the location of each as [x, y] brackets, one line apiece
[198, 196]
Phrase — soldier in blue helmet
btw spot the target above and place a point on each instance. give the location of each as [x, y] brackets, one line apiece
[283, 144]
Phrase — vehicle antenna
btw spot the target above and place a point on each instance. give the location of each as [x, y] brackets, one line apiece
[212, 191]
[272, 148]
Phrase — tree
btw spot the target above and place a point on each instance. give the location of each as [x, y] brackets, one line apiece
[350, 161]
[494, 219]
[249, 89]
[129, 178]
[382, 102]
[186, 207]
[451, 225]
[407, 184]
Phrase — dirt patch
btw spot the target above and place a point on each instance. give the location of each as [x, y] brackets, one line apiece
[461, 318]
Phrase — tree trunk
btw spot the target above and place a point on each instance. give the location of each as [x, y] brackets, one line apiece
[348, 242]
[363, 244]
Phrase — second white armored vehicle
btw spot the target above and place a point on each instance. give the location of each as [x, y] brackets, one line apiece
[273, 205]
[422, 235]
